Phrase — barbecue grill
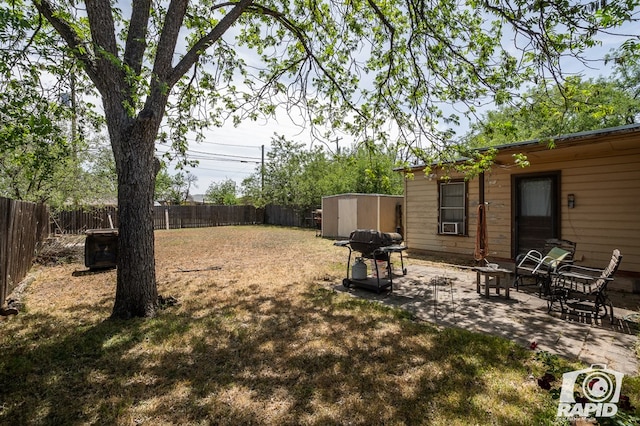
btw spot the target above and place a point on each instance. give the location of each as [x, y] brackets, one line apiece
[377, 246]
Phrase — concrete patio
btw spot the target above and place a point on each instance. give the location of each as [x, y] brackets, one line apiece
[446, 295]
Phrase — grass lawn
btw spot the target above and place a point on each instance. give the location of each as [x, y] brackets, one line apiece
[258, 336]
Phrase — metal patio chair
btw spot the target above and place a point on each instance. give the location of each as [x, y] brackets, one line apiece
[537, 266]
[584, 289]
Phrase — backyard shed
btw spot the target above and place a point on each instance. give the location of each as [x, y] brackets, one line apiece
[343, 213]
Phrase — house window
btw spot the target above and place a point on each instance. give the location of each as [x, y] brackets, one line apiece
[453, 208]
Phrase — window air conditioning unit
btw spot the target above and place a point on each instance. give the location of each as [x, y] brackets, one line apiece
[450, 228]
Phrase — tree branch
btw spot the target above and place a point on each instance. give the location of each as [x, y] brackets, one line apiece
[75, 42]
[305, 44]
[137, 36]
[103, 36]
[168, 39]
[392, 32]
[205, 42]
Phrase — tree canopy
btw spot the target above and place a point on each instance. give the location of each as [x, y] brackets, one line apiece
[223, 193]
[46, 128]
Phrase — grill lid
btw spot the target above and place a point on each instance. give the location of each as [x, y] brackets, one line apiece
[368, 240]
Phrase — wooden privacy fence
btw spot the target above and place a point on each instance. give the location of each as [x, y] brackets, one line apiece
[175, 217]
[23, 227]
[288, 216]
[78, 221]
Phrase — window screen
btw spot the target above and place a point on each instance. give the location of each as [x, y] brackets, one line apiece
[452, 207]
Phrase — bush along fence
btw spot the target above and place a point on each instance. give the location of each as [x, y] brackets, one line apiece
[24, 227]
[175, 217]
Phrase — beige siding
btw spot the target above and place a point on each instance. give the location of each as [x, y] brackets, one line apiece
[387, 213]
[373, 212]
[421, 223]
[604, 176]
[330, 217]
[497, 190]
[367, 213]
[607, 209]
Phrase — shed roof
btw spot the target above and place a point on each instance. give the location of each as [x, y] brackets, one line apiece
[360, 194]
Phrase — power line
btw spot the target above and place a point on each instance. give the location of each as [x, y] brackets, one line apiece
[223, 144]
[231, 160]
[222, 170]
[228, 144]
[223, 155]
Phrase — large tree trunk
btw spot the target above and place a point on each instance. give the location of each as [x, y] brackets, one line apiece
[136, 292]
[132, 139]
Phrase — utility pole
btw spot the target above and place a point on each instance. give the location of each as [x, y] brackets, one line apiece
[262, 172]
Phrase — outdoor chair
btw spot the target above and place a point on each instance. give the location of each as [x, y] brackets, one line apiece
[584, 289]
[536, 266]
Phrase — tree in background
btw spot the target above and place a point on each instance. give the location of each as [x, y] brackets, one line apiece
[299, 177]
[548, 110]
[33, 143]
[283, 174]
[222, 193]
[173, 189]
[89, 180]
[359, 66]
[627, 76]
[369, 171]
[100, 180]
[47, 133]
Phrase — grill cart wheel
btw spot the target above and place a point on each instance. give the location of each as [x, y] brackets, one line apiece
[346, 282]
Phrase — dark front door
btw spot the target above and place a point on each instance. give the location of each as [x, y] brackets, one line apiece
[536, 213]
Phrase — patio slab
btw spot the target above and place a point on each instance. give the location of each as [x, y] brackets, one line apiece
[447, 296]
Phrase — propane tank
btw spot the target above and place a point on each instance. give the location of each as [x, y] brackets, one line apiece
[359, 269]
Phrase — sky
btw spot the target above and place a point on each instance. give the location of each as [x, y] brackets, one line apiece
[235, 152]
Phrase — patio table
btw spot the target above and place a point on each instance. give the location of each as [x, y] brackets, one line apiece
[492, 278]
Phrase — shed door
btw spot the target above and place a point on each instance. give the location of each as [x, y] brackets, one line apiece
[347, 216]
[536, 211]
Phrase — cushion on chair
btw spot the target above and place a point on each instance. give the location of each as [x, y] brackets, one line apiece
[555, 256]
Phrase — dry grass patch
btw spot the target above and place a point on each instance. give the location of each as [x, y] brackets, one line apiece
[259, 336]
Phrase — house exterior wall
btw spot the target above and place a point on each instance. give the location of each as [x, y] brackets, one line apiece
[602, 172]
[374, 211]
[421, 216]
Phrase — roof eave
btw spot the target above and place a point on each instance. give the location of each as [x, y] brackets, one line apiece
[543, 143]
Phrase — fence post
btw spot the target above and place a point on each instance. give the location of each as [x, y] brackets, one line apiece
[166, 218]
